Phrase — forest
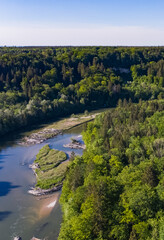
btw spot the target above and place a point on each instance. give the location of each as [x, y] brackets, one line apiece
[115, 191]
[38, 84]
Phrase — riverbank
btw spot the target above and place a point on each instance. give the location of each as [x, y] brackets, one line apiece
[40, 135]
[43, 192]
[19, 238]
[47, 204]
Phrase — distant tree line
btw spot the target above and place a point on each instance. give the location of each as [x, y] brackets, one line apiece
[37, 84]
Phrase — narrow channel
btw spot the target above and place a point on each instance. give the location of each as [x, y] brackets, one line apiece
[21, 213]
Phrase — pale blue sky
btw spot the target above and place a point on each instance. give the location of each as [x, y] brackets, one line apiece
[81, 22]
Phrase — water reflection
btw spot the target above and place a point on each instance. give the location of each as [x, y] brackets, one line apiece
[5, 188]
[2, 156]
[4, 215]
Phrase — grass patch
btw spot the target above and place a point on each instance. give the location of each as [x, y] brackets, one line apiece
[52, 168]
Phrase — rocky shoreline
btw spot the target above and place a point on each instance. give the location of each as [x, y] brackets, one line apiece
[75, 146]
[36, 138]
[19, 238]
[41, 192]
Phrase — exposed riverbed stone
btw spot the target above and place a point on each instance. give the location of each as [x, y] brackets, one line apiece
[40, 192]
[19, 238]
[39, 137]
[35, 238]
[74, 146]
[34, 166]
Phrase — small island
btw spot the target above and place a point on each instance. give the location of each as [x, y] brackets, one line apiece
[75, 144]
[50, 168]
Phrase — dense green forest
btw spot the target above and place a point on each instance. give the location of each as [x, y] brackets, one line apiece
[39, 84]
[115, 191]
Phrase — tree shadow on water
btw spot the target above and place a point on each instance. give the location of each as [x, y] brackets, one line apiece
[0, 163]
[3, 156]
[6, 187]
[4, 215]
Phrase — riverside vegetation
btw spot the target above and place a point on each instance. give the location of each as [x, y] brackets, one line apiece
[57, 127]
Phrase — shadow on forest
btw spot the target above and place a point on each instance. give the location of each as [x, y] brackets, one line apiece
[5, 188]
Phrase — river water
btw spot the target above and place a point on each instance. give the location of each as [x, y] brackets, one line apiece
[22, 214]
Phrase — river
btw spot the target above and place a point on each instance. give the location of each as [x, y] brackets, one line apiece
[22, 214]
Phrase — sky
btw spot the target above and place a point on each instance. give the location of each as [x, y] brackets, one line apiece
[81, 23]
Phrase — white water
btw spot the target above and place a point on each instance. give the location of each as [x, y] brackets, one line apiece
[52, 204]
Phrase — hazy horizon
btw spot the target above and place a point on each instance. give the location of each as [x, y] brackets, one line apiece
[87, 23]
